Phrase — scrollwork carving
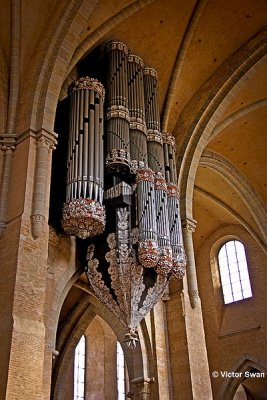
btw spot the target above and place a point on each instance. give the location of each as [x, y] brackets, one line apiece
[153, 295]
[169, 139]
[86, 82]
[150, 71]
[132, 58]
[83, 218]
[116, 45]
[99, 286]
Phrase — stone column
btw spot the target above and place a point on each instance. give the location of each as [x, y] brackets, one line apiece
[177, 335]
[161, 350]
[188, 352]
[8, 146]
[189, 226]
[196, 348]
[45, 142]
[189, 360]
[195, 334]
[23, 282]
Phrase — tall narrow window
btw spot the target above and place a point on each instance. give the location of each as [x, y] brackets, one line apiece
[79, 370]
[120, 373]
[234, 272]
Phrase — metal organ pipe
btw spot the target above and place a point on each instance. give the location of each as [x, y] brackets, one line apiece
[148, 245]
[117, 134]
[86, 141]
[138, 137]
[176, 236]
[75, 145]
[101, 151]
[80, 144]
[83, 213]
[151, 99]
[91, 143]
[156, 163]
[154, 139]
[96, 149]
[165, 262]
[69, 159]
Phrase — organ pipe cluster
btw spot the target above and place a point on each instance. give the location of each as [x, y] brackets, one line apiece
[150, 156]
[117, 114]
[148, 243]
[138, 140]
[154, 137]
[176, 238]
[83, 212]
[138, 157]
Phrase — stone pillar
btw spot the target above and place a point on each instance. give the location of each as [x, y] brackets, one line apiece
[197, 350]
[101, 345]
[189, 360]
[8, 146]
[161, 350]
[178, 346]
[23, 283]
[189, 226]
[45, 141]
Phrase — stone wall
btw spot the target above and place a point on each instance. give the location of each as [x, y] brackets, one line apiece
[235, 332]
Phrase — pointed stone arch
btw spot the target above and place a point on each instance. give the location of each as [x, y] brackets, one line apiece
[245, 363]
[180, 57]
[138, 363]
[50, 64]
[137, 368]
[57, 55]
[203, 113]
[241, 184]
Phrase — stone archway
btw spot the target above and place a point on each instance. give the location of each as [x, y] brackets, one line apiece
[193, 134]
[137, 361]
[246, 366]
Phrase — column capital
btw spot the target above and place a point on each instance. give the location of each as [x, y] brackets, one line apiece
[141, 388]
[189, 224]
[46, 139]
[37, 222]
[194, 297]
[7, 142]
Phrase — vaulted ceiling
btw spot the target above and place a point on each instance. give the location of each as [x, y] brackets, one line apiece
[211, 60]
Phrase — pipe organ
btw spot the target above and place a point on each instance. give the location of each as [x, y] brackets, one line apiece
[137, 246]
[83, 212]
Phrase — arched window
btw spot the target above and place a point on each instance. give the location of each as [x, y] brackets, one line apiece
[79, 370]
[120, 373]
[234, 272]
